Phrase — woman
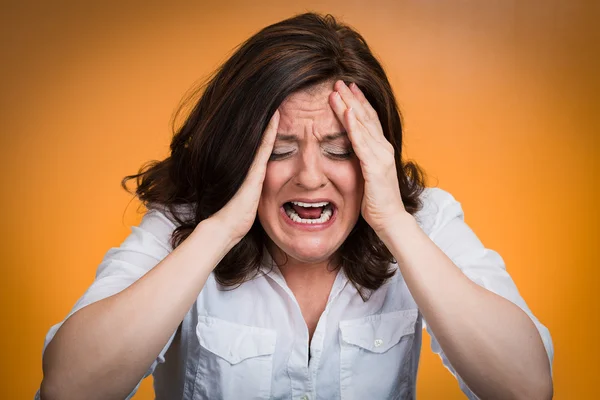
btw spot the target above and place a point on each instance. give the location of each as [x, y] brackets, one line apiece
[289, 252]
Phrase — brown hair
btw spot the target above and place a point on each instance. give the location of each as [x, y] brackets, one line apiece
[212, 151]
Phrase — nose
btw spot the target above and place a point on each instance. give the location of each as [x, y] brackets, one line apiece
[310, 174]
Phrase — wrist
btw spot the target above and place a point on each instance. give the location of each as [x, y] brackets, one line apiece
[396, 223]
[216, 234]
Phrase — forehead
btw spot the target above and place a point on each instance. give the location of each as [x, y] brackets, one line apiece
[309, 110]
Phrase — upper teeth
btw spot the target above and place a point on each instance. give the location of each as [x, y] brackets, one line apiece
[301, 204]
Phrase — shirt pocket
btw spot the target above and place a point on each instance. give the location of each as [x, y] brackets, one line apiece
[236, 361]
[374, 355]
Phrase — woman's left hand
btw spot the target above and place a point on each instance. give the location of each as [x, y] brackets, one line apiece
[382, 201]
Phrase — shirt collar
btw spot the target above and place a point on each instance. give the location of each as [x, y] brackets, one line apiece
[269, 268]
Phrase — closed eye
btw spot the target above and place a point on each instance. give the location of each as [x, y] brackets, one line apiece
[336, 154]
[340, 155]
[338, 151]
[280, 155]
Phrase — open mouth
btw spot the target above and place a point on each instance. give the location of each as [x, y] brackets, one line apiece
[309, 213]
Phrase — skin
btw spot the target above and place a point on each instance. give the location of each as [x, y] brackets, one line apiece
[312, 158]
[308, 162]
[492, 344]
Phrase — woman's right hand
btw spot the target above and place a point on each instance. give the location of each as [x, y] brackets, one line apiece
[238, 215]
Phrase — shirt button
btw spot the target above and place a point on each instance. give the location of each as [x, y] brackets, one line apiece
[378, 342]
[305, 397]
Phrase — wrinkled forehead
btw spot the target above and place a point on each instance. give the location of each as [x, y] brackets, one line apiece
[309, 111]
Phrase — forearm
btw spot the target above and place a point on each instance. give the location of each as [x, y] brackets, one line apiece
[493, 345]
[104, 349]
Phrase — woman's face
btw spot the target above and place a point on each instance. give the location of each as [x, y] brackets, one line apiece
[313, 187]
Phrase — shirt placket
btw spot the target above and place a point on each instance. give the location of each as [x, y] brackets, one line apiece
[301, 385]
[303, 374]
[317, 343]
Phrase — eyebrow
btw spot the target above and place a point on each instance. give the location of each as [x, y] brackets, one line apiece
[283, 137]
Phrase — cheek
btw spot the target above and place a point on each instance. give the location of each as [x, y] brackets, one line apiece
[275, 178]
[349, 181]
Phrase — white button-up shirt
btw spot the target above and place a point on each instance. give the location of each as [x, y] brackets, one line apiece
[253, 343]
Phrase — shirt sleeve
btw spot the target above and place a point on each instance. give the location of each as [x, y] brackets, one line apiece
[483, 266]
[144, 248]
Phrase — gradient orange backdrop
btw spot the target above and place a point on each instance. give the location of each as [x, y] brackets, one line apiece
[500, 103]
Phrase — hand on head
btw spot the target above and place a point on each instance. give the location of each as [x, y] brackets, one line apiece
[239, 213]
[381, 200]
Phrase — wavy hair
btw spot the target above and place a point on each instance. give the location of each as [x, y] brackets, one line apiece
[211, 153]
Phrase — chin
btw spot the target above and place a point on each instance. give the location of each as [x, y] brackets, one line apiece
[308, 251]
[310, 257]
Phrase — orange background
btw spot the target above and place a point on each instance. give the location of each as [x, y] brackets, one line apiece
[501, 107]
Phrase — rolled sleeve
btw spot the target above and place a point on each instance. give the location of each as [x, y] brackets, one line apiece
[483, 266]
[142, 250]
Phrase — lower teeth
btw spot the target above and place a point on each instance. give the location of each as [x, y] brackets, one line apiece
[293, 215]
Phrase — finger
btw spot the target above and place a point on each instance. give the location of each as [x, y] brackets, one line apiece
[369, 120]
[268, 139]
[368, 109]
[354, 129]
[370, 117]
[266, 146]
[361, 142]
[351, 101]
